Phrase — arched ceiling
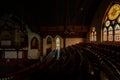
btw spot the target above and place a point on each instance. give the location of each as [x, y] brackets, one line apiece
[52, 12]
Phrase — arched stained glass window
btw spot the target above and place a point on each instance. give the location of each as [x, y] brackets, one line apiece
[110, 33]
[57, 43]
[48, 44]
[93, 35]
[117, 32]
[58, 47]
[49, 40]
[112, 23]
[34, 43]
[105, 34]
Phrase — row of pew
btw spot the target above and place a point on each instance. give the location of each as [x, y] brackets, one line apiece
[83, 61]
[110, 56]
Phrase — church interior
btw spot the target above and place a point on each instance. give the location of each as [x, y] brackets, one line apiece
[60, 40]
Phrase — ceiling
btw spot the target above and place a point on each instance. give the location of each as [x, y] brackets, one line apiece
[52, 12]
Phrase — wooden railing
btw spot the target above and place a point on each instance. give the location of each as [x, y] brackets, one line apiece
[11, 53]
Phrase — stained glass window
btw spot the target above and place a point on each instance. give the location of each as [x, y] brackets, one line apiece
[58, 47]
[117, 32]
[110, 33]
[57, 43]
[105, 34]
[93, 35]
[34, 43]
[112, 23]
[49, 40]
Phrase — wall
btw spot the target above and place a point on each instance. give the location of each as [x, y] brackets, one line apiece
[33, 53]
[45, 46]
[72, 41]
[68, 42]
